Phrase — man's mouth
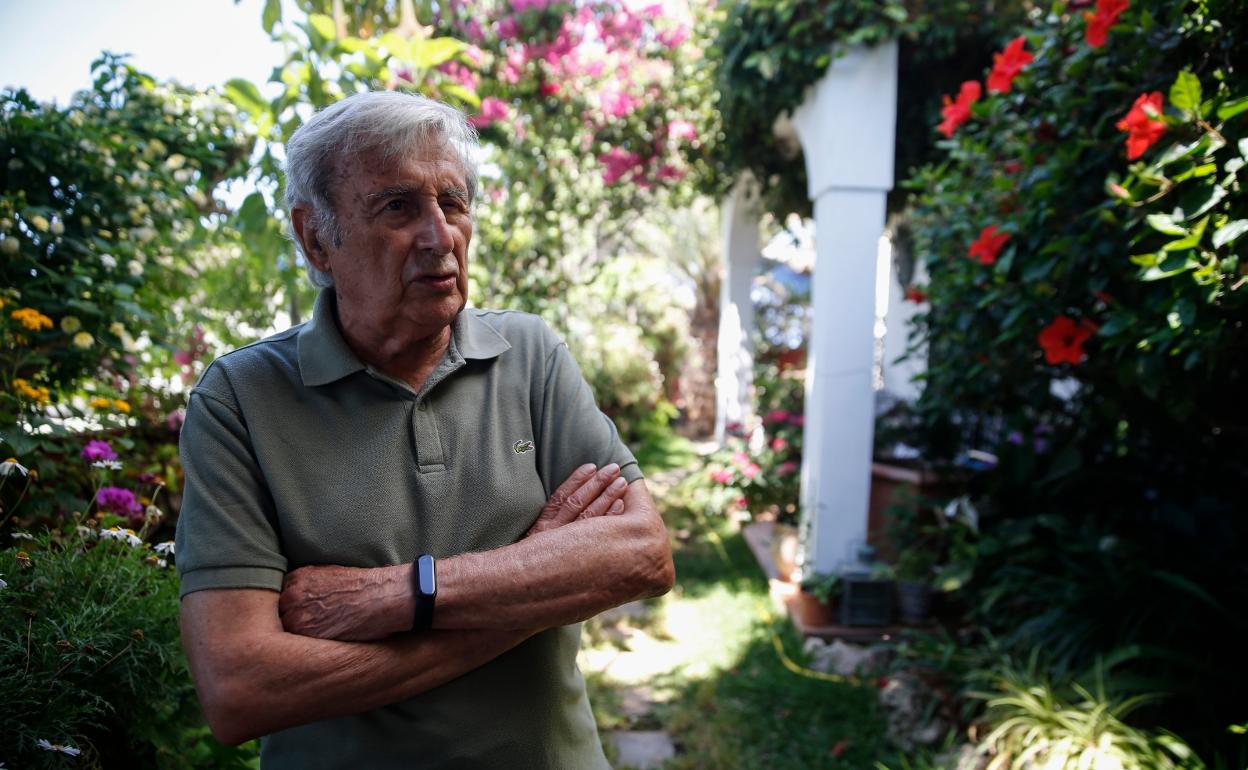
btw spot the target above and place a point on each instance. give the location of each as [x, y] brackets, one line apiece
[438, 281]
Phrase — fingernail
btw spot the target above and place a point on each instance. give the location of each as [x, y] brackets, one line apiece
[612, 468]
[586, 468]
[618, 484]
[616, 507]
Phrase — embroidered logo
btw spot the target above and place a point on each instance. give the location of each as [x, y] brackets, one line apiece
[522, 446]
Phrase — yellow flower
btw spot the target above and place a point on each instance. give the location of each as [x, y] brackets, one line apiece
[37, 393]
[40, 223]
[121, 406]
[70, 324]
[117, 329]
[32, 319]
[101, 403]
[83, 340]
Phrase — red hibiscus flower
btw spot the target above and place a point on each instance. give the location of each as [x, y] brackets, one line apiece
[1007, 64]
[1143, 124]
[956, 112]
[916, 295]
[1107, 13]
[1063, 339]
[988, 245]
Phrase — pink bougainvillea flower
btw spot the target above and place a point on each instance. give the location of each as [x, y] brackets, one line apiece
[751, 470]
[777, 415]
[460, 74]
[492, 110]
[550, 89]
[98, 451]
[1007, 64]
[1143, 124]
[787, 468]
[722, 476]
[619, 163]
[617, 102]
[988, 245]
[958, 111]
[670, 38]
[681, 130]
[1063, 339]
[1099, 23]
[778, 444]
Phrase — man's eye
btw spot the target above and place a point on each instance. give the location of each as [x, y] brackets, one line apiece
[395, 205]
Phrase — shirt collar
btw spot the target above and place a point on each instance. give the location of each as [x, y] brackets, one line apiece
[324, 356]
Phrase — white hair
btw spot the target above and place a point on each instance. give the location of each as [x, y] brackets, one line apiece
[392, 123]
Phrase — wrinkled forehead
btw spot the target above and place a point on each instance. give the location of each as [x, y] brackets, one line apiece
[426, 160]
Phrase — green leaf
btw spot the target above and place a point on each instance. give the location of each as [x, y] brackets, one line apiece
[245, 96]
[1232, 108]
[1192, 238]
[1036, 272]
[1185, 93]
[272, 15]
[1229, 232]
[1165, 224]
[432, 52]
[324, 25]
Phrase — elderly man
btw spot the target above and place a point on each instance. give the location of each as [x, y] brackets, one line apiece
[397, 514]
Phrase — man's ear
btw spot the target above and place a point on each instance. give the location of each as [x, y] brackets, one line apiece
[309, 239]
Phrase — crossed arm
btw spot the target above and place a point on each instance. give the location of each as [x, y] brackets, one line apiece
[264, 662]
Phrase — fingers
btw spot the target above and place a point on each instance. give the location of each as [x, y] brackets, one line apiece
[607, 500]
[579, 478]
[589, 492]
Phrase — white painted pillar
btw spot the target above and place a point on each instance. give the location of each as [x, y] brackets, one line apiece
[740, 254]
[846, 126]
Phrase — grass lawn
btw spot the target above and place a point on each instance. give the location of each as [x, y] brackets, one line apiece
[699, 663]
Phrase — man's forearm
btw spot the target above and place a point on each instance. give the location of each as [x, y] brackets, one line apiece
[551, 578]
[561, 576]
[255, 679]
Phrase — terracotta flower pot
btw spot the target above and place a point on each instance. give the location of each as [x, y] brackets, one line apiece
[811, 611]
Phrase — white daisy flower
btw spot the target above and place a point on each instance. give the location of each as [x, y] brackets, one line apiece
[48, 746]
[3, 585]
[117, 533]
[108, 465]
[10, 465]
[164, 549]
[22, 536]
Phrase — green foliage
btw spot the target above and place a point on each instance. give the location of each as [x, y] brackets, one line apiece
[104, 205]
[768, 52]
[1112, 518]
[1032, 722]
[90, 659]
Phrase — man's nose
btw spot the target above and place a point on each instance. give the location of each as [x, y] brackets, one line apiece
[434, 233]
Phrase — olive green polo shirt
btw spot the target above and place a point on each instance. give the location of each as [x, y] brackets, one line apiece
[296, 453]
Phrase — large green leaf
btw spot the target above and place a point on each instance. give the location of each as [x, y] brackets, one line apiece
[246, 96]
[324, 26]
[1229, 232]
[1185, 93]
[1232, 108]
[431, 52]
[272, 15]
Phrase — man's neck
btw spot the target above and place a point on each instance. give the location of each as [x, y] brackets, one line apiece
[409, 357]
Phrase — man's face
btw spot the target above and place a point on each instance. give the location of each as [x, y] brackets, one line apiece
[402, 267]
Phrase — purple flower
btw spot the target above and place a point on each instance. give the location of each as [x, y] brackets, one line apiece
[117, 500]
[97, 450]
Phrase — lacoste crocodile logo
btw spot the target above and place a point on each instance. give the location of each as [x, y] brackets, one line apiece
[522, 446]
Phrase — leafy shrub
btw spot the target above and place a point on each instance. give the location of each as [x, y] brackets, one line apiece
[1086, 323]
[90, 658]
[1030, 722]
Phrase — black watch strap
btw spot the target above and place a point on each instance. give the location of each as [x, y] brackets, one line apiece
[425, 587]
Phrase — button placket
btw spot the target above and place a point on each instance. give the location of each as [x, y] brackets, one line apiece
[429, 455]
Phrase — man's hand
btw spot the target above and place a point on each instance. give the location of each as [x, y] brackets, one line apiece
[588, 492]
[360, 604]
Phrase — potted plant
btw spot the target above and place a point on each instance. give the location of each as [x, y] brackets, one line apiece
[915, 569]
[813, 604]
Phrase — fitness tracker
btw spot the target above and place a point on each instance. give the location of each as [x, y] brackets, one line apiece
[425, 587]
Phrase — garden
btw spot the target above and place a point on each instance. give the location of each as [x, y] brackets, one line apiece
[1069, 230]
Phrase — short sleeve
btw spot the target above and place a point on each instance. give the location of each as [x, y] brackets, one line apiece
[227, 529]
[573, 431]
